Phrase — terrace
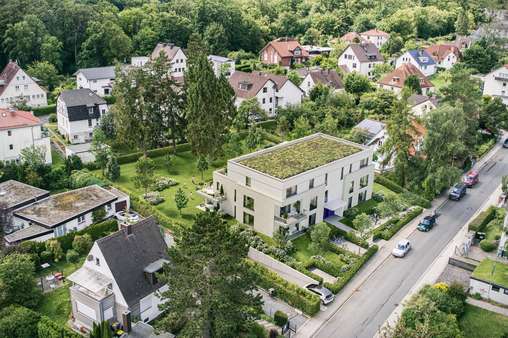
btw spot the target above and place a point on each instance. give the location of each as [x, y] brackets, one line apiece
[491, 271]
[293, 158]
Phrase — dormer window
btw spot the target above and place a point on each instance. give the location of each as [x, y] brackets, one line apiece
[396, 79]
[90, 110]
[297, 51]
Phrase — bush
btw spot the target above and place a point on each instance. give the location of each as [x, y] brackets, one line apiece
[153, 197]
[351, 237]
[413, 198]
[72, 256]
[145, 209]
[325, 265]
[392, 226]
[488, 245]
[133, 157]
[46, 256]
[52, 118]
[82, 244]
[110, 99]
[479, 223]
[162, 183]
[46, 328]
[377, 197]
[95, 231]
[40, 111]
[280, 318]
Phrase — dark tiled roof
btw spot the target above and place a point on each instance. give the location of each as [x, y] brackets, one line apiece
[417, 99]
[98, 72]
[366, 52]
[327, 77]
[128, 255]
[81, 97]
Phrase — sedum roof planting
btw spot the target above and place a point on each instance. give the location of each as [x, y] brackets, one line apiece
[287, 161]
[492, 272]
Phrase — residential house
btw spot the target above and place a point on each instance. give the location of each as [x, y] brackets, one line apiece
[445, 55]
[463, 42]
[175, 55]
[490, 280]
[283, 52]
[361, 57]
[327, 77]
[352, 37]
[99, 79]
[118, 281]
[139, 61]
[16, 86]
[58, 214]
[496, 84]
[422, 104]
[293, 185]
[222, 65]
[375, 36]
[419, 58]
[272, 91]
[375, 135]
[78, 112]
[317, 50]
[394, 81]
[19, 130]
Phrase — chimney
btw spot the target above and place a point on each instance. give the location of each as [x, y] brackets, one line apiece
[127, 227]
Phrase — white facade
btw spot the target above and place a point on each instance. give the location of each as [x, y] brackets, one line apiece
[496, 84]
[222, 65]
[139, 61]
[489, 291]
[427, 70]
[288, 95]
[12, 141]
[297, 202]
[448, 61]
[102, 87]
[178, 64]
[378, 40]
[22, 88]
[308, 83]
[397, 89]
[421, 109]
[349, 59]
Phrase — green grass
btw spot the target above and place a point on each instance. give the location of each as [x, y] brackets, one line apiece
[56, 305]
[495, 227]
[480, 323]
[61, 266]
[440, 79]
[303, 254]
[56, 158]
[491, 271]
[381, 189]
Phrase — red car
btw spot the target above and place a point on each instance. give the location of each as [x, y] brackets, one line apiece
[471, 178]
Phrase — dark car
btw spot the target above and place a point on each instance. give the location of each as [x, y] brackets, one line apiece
[324, 294]
[427, 223]
[505, 143]
[471, 178]
[458, 191]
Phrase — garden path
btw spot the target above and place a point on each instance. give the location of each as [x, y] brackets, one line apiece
[487, 306]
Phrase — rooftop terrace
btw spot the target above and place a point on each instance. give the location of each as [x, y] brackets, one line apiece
[287, 160]
[14, 193]
[493, 272]
[62, 207]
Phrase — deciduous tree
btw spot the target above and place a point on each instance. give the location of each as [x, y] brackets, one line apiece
[17, 280]
[145, 168]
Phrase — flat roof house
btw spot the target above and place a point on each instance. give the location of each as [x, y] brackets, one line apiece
[222, 65]
[490, 280]
[394, 81]
[361, 58]
[61, 213]
[118, 280]
[293, 185]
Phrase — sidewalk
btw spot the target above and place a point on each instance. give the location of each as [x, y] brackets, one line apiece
[487, 306]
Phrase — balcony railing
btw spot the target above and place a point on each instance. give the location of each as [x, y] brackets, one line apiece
[209, 194]
[291, 219]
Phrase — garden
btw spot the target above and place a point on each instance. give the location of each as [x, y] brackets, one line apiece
[489, 223]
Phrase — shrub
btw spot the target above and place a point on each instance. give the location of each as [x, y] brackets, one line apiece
[325, 265]
[72, 256]
[378, 197]
[98, 214]
[162, 183]
[153, 197]
[18, 321]
[52, 118]
[46, 256]
[479, 223]
[280, 318]
[335, 232]
[40, 111]
[82, 243]
[392, 226]
[488, 245]
[95, 231]
[46, 328]
[411, 197]
[133, 157]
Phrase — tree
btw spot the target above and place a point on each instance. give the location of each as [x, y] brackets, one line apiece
[33, 157]
[220, 303]
[73, 162]
[391, 206]
[101, 330]
[210, 108]
[233, 147]
[18, 322]
[17, 278]
[482, 56]
[100, 149]
[202, 166]
[493, 115]
[112, 170]
[329, 125]
[254, 138]
[302, 128]
[381, 69]
[319, 93]
[145, 168]
[357, 84]
[462, 23]
[55, 248]
[181, 200]
[412, 83]
[249, 109]
[46, 72]
[394, 45]
[320, 237]
[51, 50]
[362, 223]
[82, 243]
[107, 125]
[22, 40]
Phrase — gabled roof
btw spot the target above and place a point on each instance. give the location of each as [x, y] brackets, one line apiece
[169, 48]
[286, 46]
[97, 73]
[366, 52]
[375, 32]
[327, 77]
[371, 127]
[252, 83]
[127, 256]
[218, 58]
[397, 77]
[417, 99]
[81, 97]
[352, 37]
[8, 74]
[422, 57]
[440, 52]
[11, 118]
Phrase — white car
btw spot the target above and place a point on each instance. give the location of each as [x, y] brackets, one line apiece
[324, 294]
[402, 248]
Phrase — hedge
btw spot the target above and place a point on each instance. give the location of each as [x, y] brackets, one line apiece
[392, 226]
[303, 268]
[280, 318]
[348, 275]
[267, 125]
[479, 223]
[110, 99]
[40, 111]
[288, 292]
[96, 231]
[133, 157]
[350, 236]
[146, 209]
[46, 328]
[418, 200]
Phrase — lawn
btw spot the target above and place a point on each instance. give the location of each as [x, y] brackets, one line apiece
[303, 254]
[492, 271]
[493, 229]
[56, 158]
[56, 305]
[480, 323]
[440, 79]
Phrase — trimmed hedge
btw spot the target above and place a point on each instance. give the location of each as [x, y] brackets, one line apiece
[418, 200]
[355, 267]
[488, 245]
[392, 226]
[133, 157]
[288, 292]
[303, 268]
[40, 111]
[96, 231]
[479, 223]
[269, 125]
[280, 318]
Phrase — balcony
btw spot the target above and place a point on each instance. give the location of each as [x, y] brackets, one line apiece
[210, 195]
[291, 219]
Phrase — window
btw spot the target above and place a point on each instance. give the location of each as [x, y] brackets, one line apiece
[326, 196]
[81, 219]
[341, 173]
[247, 181]
[312, 219]
[97, 261]
[11, 146]
[364, 181]
[270, 100]
[9, 133]
[352, 187]
[313, 203]
[234, 196]
[264, 100]
[89, 122]
[350, 202]
[505, 291]
[362, 196]
[351, 168]
[248, 202]
[326, 179]
[248, 219]
[291, 191]
[17, 88]
[26, 86]
[354, 65]
[285, 210]
[495, 288]
[311, 183]
[265, 90]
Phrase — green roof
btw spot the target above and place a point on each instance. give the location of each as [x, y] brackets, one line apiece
[493, 272]
[290, 160]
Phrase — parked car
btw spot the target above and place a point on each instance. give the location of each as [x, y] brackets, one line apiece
[427, 223]
[458, 191]
[324, 294]
[505, 143]
[471, 178]
[401, 249]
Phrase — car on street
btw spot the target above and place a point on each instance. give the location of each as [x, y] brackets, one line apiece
[458, 191]
[324, 294]
[427, 223]
[402, 248]
[471, 178]
[505, 143]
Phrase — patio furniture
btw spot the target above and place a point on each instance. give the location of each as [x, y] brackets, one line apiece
[50, 278]
[45, 265]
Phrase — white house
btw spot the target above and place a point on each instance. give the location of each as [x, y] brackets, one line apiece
[490, 280]
[375, 135]
[16, 86]
[58, 214]
[139, 61]
[222, 65]
[421, 104]
[375, 36]
[327, 77]
[293, 185]
[175, 55]
[394, 81]
[20, 130]
[272, 91]
[419, 58]
[78, 113]
[118, 281]
[361, 57]
[99, 80]
[496, 84]
[445, 55]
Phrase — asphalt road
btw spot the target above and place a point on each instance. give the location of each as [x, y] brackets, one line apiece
[368, 308]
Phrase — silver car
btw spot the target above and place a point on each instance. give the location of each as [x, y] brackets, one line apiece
[324, 294]
[401, 249]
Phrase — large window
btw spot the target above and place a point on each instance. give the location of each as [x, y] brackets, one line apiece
[313, 203]
[248, 202]
[248, 219]
[311, 183]
[248, 181]
[285, 210]
[352, 186]
[364, 181]
[364, 163]
[362, 196]
[312, 219]
[291, 191]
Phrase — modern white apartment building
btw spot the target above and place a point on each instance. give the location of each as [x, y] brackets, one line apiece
[496, 84]
[293, 185]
